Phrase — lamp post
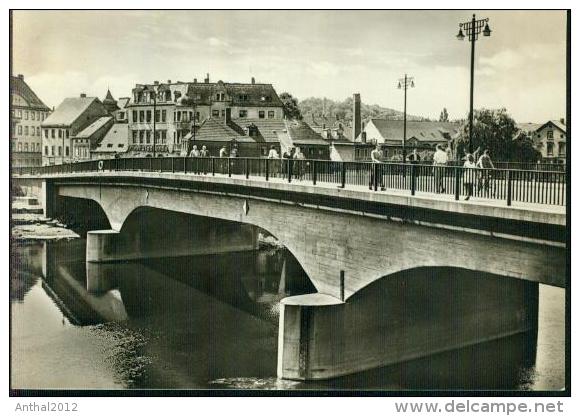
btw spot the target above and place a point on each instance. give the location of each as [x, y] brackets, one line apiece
[404, 83]
[473, 29]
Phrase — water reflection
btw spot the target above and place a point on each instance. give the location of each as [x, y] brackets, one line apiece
[212, 322]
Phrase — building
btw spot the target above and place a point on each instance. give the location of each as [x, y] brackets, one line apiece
[84, 142]
[422, 135]
[69, 119]
[114, 144]
[177, 104]
[26, 115]
[253, 137]
[550, 140]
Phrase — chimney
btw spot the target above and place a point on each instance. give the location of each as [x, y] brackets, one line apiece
[156, 82]
[563, 121]
[83, 95]
[169, 81]
[356, 118]
[206, 80]
[20, 76]
[195, 80]
[253, 80]
[228, 117]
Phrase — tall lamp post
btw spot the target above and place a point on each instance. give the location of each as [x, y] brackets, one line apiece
[473, 29]
[404, 83]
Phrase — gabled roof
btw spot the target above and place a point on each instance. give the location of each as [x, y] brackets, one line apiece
[268, 128]
[116, 140]
[528, 127]
[421, 130]
[93, 127]
[18, 86]
[123, 101]
[251, 95]
[556, 123]
[215, 129]
[301, 133]
[69, 110]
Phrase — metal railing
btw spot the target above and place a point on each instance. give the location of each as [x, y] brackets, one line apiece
[528, 186]
[542, 166]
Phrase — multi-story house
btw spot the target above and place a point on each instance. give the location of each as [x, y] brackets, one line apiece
[174, 108]
[550, 141]
[27, 113]
[71, 117]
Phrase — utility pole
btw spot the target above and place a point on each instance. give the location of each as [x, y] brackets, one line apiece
[404, 83]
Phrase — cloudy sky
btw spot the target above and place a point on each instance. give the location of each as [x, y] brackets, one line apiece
[522, 66]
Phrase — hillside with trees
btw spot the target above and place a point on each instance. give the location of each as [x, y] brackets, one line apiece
[343, 110]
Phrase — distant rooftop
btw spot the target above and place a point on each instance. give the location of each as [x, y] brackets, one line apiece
[68, 111]
[20, 87]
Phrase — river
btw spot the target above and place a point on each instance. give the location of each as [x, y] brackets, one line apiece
[211, 322]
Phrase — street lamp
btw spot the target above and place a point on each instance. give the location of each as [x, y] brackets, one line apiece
[473, 29]
[404, 83]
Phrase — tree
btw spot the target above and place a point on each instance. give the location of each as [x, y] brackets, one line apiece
[444, 115]
[495, 130]
[291, 109]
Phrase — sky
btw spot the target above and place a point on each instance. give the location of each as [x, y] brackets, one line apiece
[333, 54]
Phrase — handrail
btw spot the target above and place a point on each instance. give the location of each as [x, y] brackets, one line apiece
[529, 186]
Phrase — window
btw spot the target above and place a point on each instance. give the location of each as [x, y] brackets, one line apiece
[550, 149]
[561, 136]
[148, 136]
[60, 150]
[157, 116]
[223, 113]
[38, 131]
[243, 113]
[134, 117]
[32, 131]
[26, 115]
[141, 136]
[163, 136]
[167, 95]
[178, 115]
[33, 115]
[67, 150]
[215, 113]
[121, 145]
[60, 134]
[141, 116]
[46, 134]
[26, 147]
[271, 114]
[52, 150]
[261, 114]
[562, 149]
[164, 115]
[220, 96]
[46, 150]
[52, 134]
[19, 129]
[121, 115]
[19, 147]
[550, 134]
[148, 116]
[26, 130]
[109, 144]
[66, 134]
[134, 136]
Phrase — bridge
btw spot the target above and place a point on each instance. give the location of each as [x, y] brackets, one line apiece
[400, 273]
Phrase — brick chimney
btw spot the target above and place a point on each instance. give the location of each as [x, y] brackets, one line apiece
[563, 121]
[169, 81]
[83, 95]
[228, 117]
[206, 80]
[195, 80]
[20, 76]
[253, 80]
[156, 82]
[356, 117]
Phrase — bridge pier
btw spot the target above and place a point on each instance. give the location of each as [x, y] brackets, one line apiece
[153, 233]
[400, 318]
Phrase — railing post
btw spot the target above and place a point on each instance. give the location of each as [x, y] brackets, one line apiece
[150, 164]
[184, 164]
[172, 165]
[509, 187]
[213, 166]
[289, 166]
[375, 176]
[342, 174]
[267, 169]
[229, 160]
[457, 180]
[413, 176]
[314, 171]
[247, 168]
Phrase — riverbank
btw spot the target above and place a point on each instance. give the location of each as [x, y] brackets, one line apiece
[29, 223]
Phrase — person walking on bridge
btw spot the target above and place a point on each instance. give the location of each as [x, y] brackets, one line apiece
[485, 164]
[377, 168]
[468, 173]
[439, 162]
[204, 153]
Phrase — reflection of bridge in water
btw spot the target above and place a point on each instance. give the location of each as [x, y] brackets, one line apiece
[394, 273]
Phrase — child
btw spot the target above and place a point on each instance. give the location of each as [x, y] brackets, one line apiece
[468, 175]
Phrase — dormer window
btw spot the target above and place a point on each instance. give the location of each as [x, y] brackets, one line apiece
[167, 95]
[176, 95]
[220, 96]
[550, 134]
